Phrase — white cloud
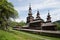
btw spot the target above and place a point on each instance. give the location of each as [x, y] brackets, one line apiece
[42, 5]
[55, 15]
[45, 4]
[19, 0]
[20, 19]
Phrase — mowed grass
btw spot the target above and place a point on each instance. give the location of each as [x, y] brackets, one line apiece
[19, 35]
[4, 35]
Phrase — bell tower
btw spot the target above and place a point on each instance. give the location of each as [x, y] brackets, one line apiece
[48, 17]
[38, 16]
[30, 17]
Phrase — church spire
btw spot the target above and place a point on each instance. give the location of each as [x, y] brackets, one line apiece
[29, 6]
[38, 15]
[48, 17]
[30, 18]
[30, 10]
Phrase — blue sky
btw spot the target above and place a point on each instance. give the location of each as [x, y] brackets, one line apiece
[42, 5]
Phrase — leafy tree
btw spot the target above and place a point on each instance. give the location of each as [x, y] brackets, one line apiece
[57, 24]
[7, 11]
[22, 23]
[13, 23]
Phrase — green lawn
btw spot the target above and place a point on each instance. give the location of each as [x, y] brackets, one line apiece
[19, 35]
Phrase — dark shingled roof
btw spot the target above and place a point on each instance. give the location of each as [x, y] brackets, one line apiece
[48, 24]
[36, 21]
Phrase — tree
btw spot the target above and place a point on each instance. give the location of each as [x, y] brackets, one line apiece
[7, 11]
[22, 23]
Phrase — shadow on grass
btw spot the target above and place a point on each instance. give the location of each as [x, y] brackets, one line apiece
[38, 33]
[44, 34]
[12, 32]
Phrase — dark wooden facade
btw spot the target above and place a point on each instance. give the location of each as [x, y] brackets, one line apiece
[42, 26]
[35, 25]
[39, 23]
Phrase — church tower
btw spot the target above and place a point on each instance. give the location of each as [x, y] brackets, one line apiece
[30, 17]
[38, 16]
[48, 17]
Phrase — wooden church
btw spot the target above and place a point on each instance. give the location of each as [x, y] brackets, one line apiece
[39, 23]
